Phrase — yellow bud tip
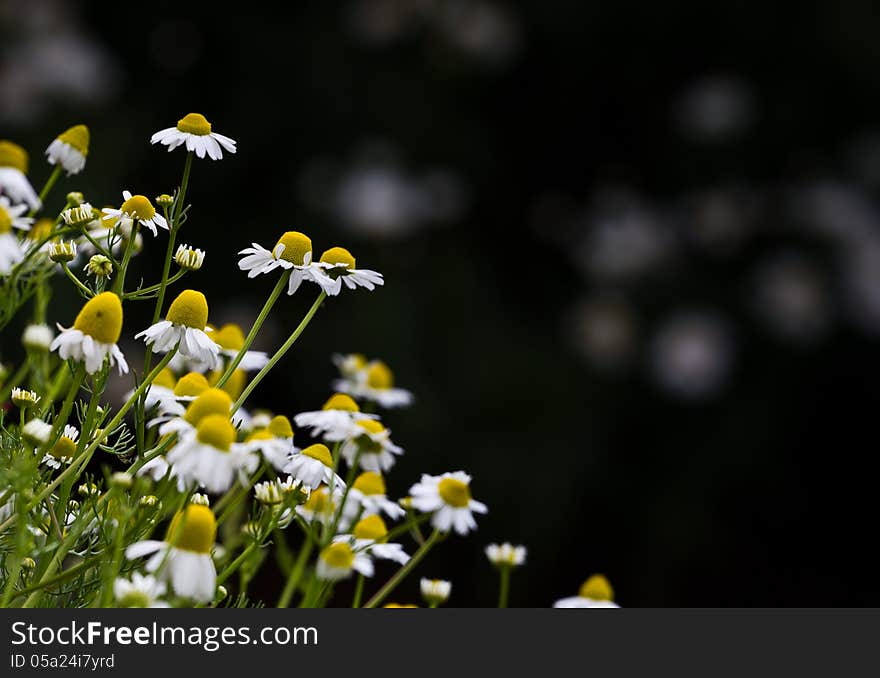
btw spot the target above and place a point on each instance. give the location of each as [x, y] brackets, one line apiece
[340, 401]
[262, 434]
[338, 555]
[296, 246]
[380, 376]
[371, 527]
[370, 482]
[597, 587]
[280, 427]
[77, 137]
[13, 155]
[229, 337]
[454, 492]
[139, 207]
[318, 501]
[217, 431]
[191, 385]
[371, 426]
[210, 401]
[189, 309]
[194, 123]
[193, 529]
[165, 379]
[101, 318]
[338, 256]
[319, 452]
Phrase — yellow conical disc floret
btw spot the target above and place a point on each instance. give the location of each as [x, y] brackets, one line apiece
[217, 431]
[262, 434]
[296, 246]
[319, 452]
[379, 376]
[165, 379]
[371, 426]
[101, 318]
[190, 309]
[64, 448]
[454, 492]
[193, 529]
[340, 401]
[5, 221]
[370, 482]
[191, 385]
[139, 207]
[41, 229]
[194, 123]
[371, 527]
[338, 556]
[280, 427]
[229, 337]
[210, 401]
[318, 501]
[234, 385]
[77, 137]
[338, 256]
[597, 587]
[13, 155]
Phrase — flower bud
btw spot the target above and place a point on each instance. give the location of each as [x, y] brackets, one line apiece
[37, 337]
[121, 480]
[164, 200]
[62, 252]
[189, 258]
[100, 266]
[75, 198]
[23, 399]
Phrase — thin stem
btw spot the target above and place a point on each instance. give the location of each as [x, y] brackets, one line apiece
[358, 591]
[399, 576]
[144, 292]
[55, 388]
[14, 381]
[298, 568]
[66, 407]
[281, 351]
[504, 586]
[85, 290]
[407, 526]
[119, 283]
[50, 182]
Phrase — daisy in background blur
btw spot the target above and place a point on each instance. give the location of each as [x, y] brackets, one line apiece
[336, 421]
[370, 446]
[69, 149]
[373, 381]
[140, 591]
[274, 442]
[11, 250]
[14, 161]
[367, 496]
[370, 536]
[448, 498]
[596, 592]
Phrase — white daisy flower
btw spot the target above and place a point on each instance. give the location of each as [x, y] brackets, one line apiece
[275, 442]
[338, 560]
[140, 591]
[94, 334]
[211, 457]
[37, 432]
[11, 249]
[37, 337]
[209, 401]
[189, 258]
[596, 592]
[158, 468]
[184, 327]
[136, 207]
[336, 421]
[370, 536]
[313, 466]
[24, 398]
[338, 266]
[320, 506]
[13, 179]
[184, 557]
[435, 591]
[231, 338]
[194, 131]
[63, 451]
[371, 445]
[292, 252]
[371, 381]
[506, 555]
[69, 149]
[448, 497]
[160, 394]
[366, 497]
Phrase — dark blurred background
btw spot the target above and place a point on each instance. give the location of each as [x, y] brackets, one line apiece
[632, 256]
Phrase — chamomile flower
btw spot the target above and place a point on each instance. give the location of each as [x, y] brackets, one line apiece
[184, 557]
[313, 466]
[69, 149]
[209, 401]
[371, 446]
[292, 252]
[367, 497]
[140, 591]
[211, 457]
[596, 592]
[37, 337]
[370, 536]
[338, 560]
[63, 451]
[506, 555]
[11, 249]
[320, 506]
[338, 266]
[37, 432]
[135, 207]
[194, 131]
[435, 591]
[160, 394]
[24, 398]
[336, 421]
[275, 442]
[184, 327]
[13, 180]
[371, 381]
[94, 334]
[448, 497]
[189, 258]
[231, 338]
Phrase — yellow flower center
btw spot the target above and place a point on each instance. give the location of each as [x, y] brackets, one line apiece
[318, 501]
[319, 452]
[229, 337]
[371, 426]
[340, 401]
[77, 137]
[370, 482]
[596, 587]
[194, 123]
[193, 529]
[41, 229]
[262, 434]
[134, 599]
[165, 379]
[139, 207]
[101, 318]
[5, 220]
[189, 309]
[191, 385]
[13, 155]
[398, 606]
[338, 555]
[65, 447]
[210, 401]
[234, 385]
[380, 376]
[371, 527]
[296, 246]
[338, 256]
[280, 427]
[217, 431]
[454, 492]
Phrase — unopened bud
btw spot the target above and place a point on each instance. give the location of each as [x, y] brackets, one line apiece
[100, 266]
[62, 252]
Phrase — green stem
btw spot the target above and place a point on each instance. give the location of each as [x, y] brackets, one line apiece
[281, 351]
[407, 526]
[349, 479]
[61, 576]
[85, 290]
[50, 182]
[66, 407]
[298, 569]
[14, 381]
[144, 292]
[504, 586]
[399, 576]
[119, 283]
[57, 383]
[358, 591]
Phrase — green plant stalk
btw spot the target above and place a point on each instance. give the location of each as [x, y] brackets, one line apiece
[50, 182]
[76, 281]
[298, 569]
[407, 526]
[504, 585]
[399, 576]
[66, 407]
[119, 283]
[349, 479]
[358, 591]
[57, 384]
[61, 576]
[14, 381]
